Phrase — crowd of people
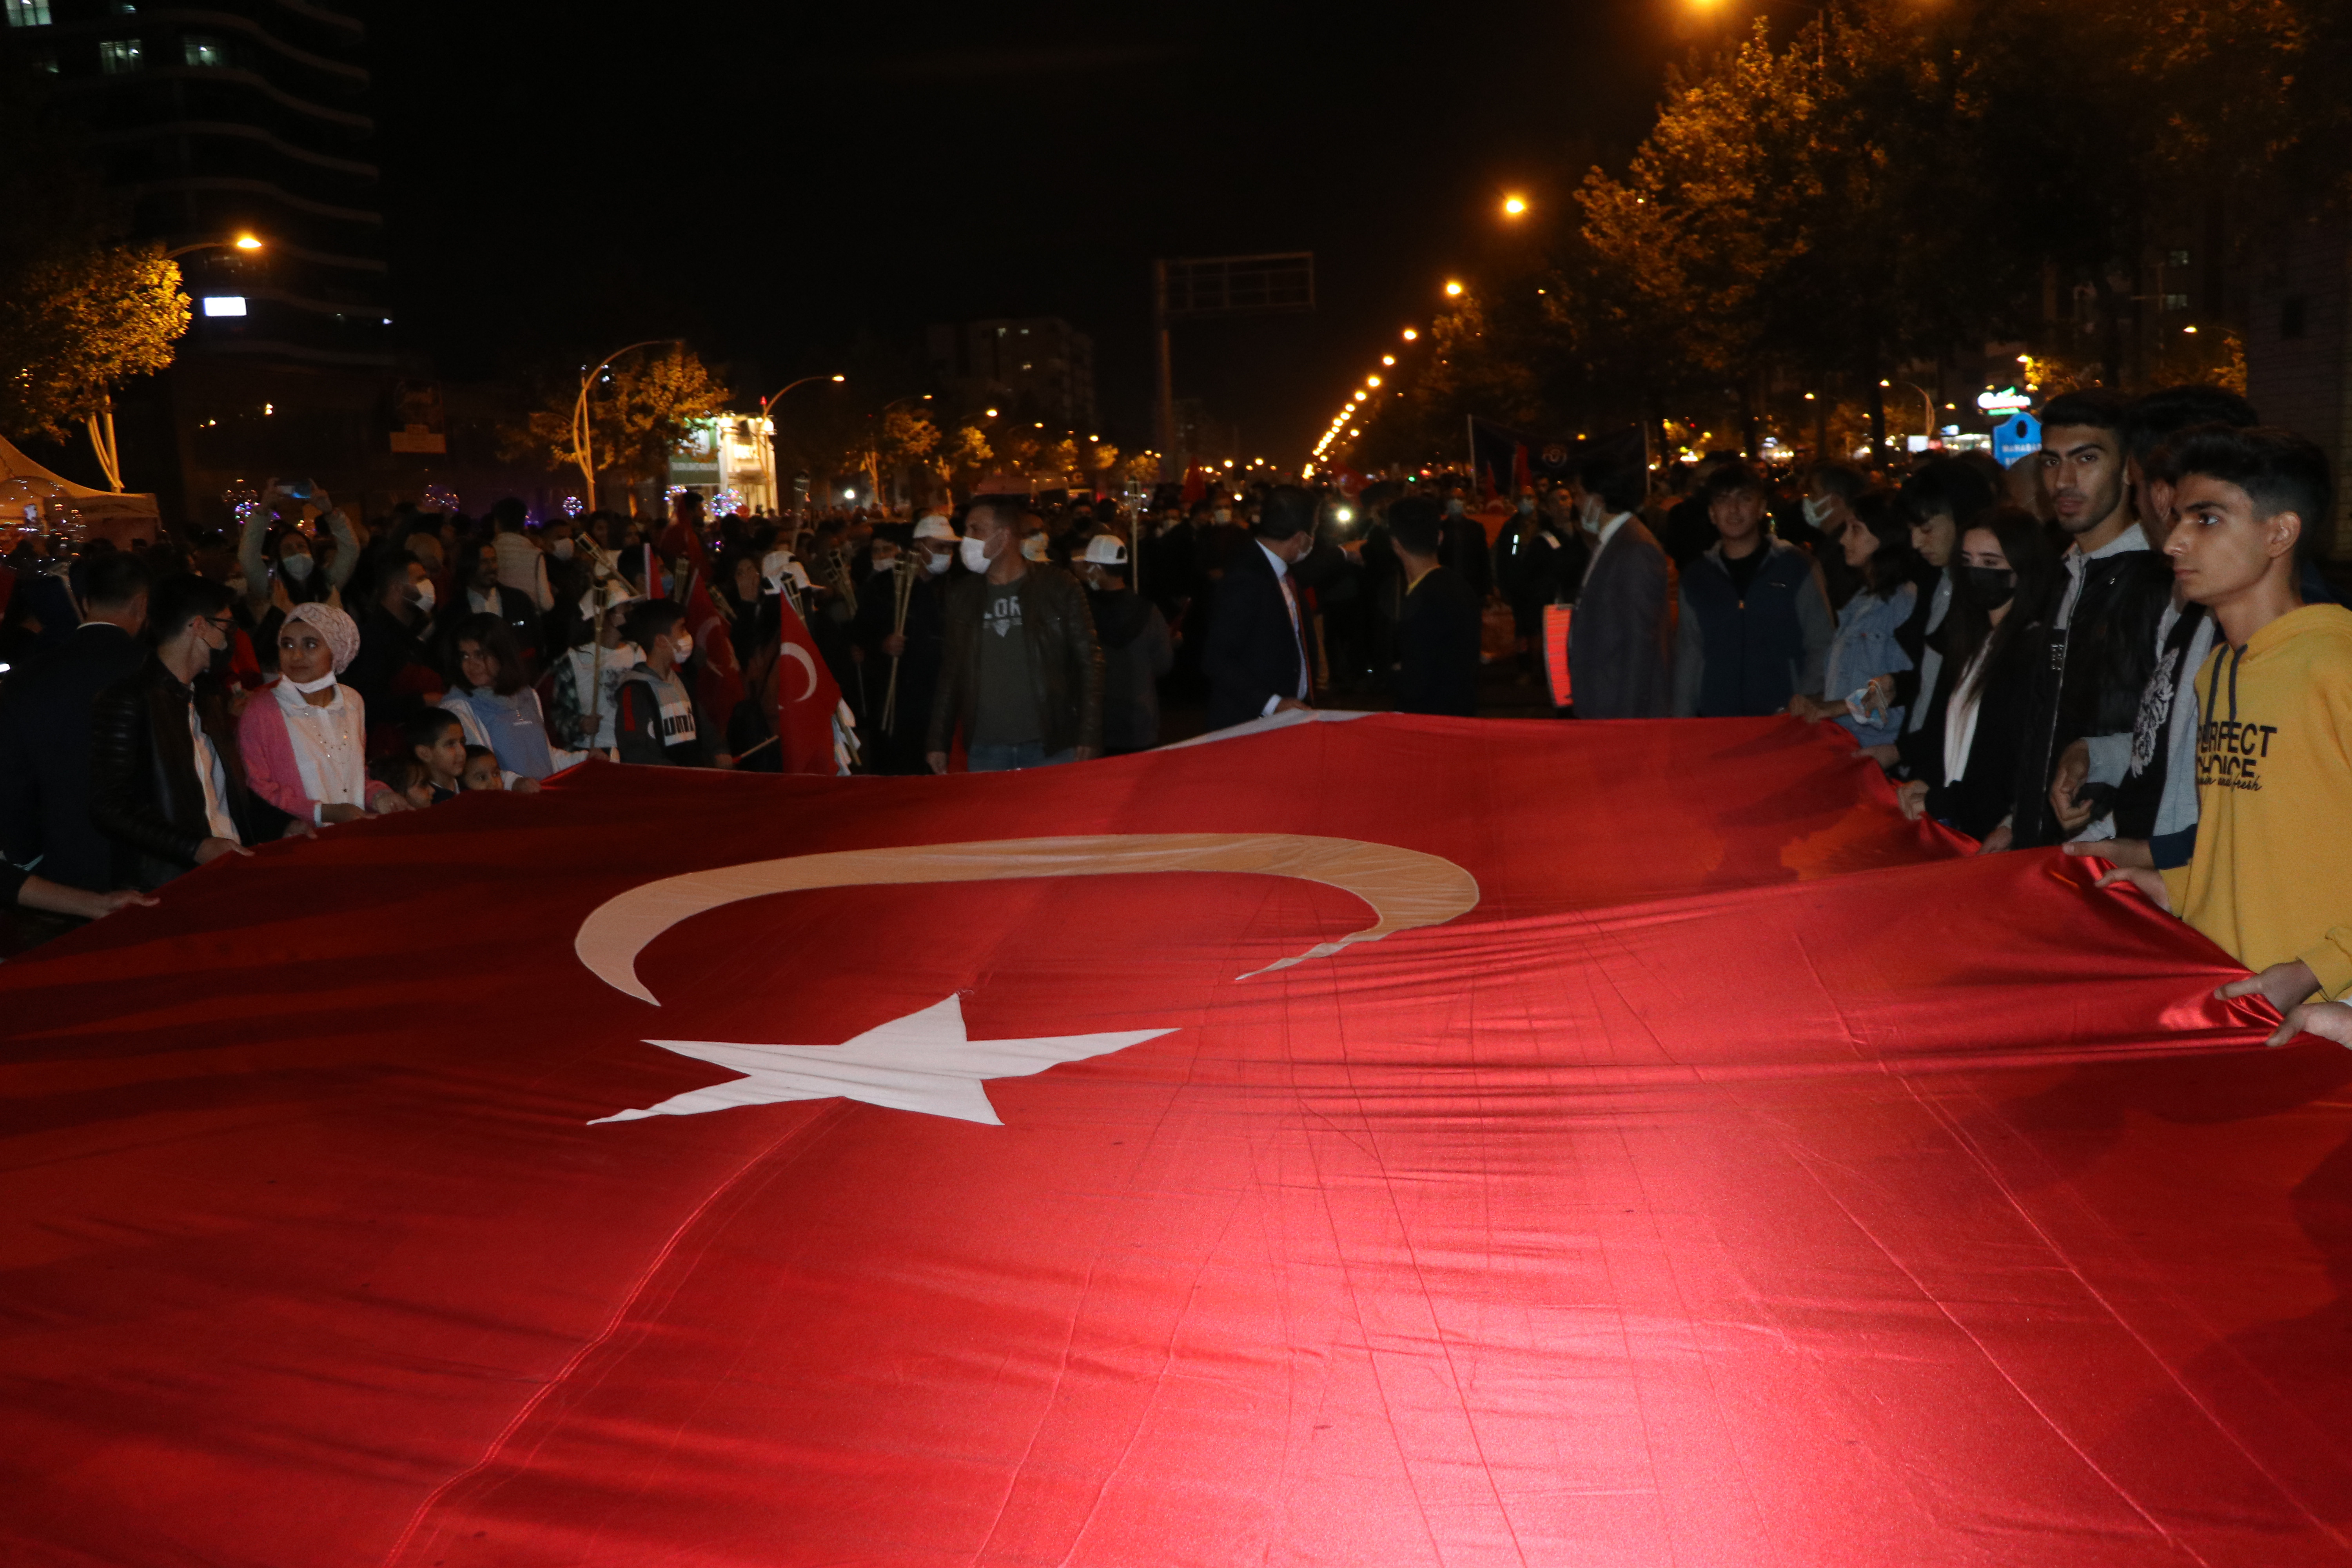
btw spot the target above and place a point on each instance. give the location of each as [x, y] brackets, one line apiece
[2122, 644]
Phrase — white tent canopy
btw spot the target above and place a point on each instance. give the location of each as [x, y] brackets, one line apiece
[104, 513]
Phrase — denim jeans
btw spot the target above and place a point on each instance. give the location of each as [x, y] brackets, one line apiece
[1005, 759]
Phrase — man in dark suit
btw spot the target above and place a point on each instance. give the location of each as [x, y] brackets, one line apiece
[1616, 642]
[1255, 656]
[485, 595]
[1437, 634]
[45, 730]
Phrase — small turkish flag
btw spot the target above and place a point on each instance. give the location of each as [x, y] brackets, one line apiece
[801, 697]
[720, 686]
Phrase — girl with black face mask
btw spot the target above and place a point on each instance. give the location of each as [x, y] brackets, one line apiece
[1964, 760]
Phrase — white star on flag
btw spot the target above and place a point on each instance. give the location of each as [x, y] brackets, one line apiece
[923, 1062]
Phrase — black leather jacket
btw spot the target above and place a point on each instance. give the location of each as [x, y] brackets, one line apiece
[1065, 664]
[144, 793]
[2087, 679]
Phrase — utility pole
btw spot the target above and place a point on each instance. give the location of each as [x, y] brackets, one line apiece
[1190, 288]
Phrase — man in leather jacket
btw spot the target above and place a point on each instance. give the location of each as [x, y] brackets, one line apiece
[2099, 631]
[1022, 672]
[166, 785]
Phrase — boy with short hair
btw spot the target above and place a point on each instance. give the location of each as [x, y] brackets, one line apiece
[2275, 746]
[655, 718]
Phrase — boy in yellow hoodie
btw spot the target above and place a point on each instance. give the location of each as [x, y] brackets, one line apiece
[2270, 880]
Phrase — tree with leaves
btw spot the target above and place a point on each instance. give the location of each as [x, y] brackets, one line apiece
[82, 311]
[637, 413]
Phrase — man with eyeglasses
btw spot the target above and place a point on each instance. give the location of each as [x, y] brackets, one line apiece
[166, 784]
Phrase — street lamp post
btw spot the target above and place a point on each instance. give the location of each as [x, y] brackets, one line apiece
[102, 422]
[1927, 402]
[775, 484]
[582, 451]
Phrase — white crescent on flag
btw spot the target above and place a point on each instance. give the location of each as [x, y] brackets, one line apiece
[1405, 888]
[800, 656]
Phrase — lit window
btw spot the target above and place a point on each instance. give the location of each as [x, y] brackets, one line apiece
[116, 56]
[205, 51]
[2175, 301]
[224, 304]
[2176, 258]
[27, 14]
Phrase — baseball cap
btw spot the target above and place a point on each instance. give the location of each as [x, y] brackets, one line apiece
[1106, 549]
[935, 527]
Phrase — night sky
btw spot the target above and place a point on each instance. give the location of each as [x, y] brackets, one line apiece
[776, 182]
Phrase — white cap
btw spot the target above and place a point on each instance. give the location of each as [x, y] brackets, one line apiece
[1106, 549]
[935, 527]
[620, 595]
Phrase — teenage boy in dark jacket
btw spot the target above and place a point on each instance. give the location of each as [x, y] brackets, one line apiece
[1755, 625]
[166, 784]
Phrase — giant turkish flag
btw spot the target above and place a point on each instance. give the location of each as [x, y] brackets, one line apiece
[1403, 1141]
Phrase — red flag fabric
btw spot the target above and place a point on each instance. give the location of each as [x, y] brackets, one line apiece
[801, 697]
[720, 686]
[1196, 484]
[1400, 1141]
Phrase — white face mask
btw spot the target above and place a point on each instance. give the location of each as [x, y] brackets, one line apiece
[1033, 547]
[1454, 506]
[1526, 506]
[936, 561]
[424, 595]
[238, 585]
[307, 687]
[885, 563]
[974, 553]
[561, 548]
[1593, 515]
[1222, 514]
[1818, 509]
[296, 567]
[681, 648]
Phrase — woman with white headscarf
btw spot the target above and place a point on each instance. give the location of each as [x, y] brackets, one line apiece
[304, 737]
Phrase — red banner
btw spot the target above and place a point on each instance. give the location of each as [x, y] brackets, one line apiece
[1401, 1142]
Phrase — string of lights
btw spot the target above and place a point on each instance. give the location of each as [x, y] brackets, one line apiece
[1347, 424]
[1348, 421]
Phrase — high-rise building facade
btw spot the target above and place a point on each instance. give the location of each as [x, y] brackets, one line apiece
[241, 118]
[1040, 367]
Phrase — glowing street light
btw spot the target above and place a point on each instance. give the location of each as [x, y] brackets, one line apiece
[1515, 206]
[1453, 288]
[246, 242]
[1371, 381]
[1409, 334]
